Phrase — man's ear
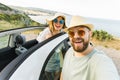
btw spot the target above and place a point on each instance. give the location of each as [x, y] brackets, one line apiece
[90, 33]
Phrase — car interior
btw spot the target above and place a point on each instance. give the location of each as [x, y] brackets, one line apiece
[19, 41]
[9, 53]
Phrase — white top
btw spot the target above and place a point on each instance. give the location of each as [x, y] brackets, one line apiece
[94, 66]
[42, 35]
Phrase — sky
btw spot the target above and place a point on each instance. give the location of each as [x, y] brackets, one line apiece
[105, 9]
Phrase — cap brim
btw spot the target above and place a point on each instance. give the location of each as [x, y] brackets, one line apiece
[90, 26]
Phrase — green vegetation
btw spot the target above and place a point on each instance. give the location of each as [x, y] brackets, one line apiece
[4, 41]
[10, 21]
[105, 39]
[102, 35]
[4, 7]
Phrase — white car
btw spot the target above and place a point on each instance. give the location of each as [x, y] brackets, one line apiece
[26, 60]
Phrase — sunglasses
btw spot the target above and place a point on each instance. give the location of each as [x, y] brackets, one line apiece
[56, 21]
[71, 33]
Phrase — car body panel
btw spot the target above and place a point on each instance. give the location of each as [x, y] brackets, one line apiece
[36, 59]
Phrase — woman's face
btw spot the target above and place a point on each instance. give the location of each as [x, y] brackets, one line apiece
[58, 23]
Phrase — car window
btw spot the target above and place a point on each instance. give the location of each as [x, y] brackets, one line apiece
[54, 62]
[4, 41]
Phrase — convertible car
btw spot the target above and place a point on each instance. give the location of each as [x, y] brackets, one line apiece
[26, 59]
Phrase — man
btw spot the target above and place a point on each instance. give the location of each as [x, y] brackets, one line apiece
[83, 61]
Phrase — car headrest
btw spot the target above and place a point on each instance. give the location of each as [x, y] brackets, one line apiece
[20, 39]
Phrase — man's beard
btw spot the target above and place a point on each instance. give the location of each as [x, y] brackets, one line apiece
[79, 48]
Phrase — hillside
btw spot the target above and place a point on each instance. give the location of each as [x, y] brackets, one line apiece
[11, 18]
[34, 11]
[4, 7]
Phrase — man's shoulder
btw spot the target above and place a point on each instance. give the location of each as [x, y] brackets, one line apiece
[70, 50]
[100, 56]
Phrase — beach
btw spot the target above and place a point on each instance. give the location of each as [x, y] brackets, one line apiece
[113, 54]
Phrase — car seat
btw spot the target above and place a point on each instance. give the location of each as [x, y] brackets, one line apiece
[20, 40]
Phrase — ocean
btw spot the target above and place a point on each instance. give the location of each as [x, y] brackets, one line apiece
[111, 26]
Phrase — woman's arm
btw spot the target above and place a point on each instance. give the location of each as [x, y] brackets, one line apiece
[61, 78]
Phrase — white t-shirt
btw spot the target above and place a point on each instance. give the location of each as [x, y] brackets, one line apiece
[43, 34]
[94, 66]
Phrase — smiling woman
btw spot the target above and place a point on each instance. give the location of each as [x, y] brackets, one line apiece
[56, 24]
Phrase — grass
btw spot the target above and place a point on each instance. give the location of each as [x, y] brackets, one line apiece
[36, 31]
[4, 41]
[4, 25]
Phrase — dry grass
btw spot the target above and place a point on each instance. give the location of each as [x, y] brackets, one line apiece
[115, 44]
[31, 34]
[4, 25]
[36, 31]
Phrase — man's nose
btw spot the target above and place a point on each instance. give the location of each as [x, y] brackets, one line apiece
[76, 35]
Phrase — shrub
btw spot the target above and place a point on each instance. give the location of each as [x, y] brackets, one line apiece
[102, 35]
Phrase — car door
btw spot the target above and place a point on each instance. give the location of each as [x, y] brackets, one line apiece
[30, 66]
[52, 67]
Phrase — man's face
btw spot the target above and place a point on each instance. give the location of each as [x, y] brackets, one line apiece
[79, 38]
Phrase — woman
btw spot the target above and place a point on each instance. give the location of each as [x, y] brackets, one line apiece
[56, 24]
